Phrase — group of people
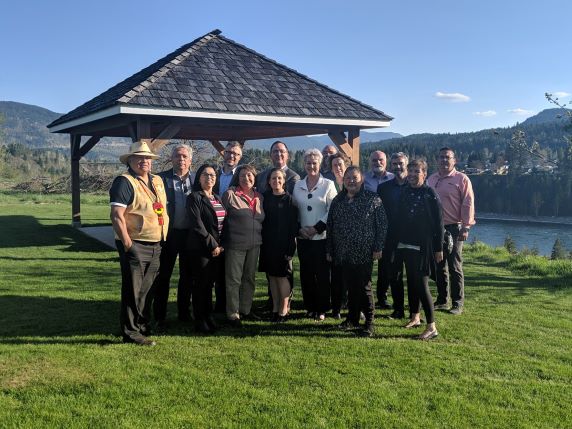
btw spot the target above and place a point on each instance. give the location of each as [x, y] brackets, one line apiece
[226, 223]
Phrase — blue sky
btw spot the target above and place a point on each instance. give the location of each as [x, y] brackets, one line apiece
[436, 66]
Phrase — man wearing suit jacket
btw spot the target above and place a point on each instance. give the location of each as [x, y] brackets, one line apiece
[279, 156]
[178, 183]
[231, 157]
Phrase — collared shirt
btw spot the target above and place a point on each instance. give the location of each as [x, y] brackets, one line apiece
[182, 188]
[456, 194]
[371, 181]
[314, 204]
[224, 180]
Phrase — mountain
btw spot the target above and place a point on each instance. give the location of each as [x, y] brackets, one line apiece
[26, 124]
[547, 128]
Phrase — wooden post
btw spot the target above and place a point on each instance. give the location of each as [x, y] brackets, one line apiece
[354, 140]
[75, 190]
[218, 146]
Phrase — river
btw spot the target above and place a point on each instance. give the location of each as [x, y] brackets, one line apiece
[525, 234]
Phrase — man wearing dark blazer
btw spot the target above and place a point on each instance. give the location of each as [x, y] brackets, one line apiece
[231, 158]
[279, 155]
[178, 183]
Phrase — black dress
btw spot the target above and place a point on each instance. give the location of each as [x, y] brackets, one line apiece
[279, 230]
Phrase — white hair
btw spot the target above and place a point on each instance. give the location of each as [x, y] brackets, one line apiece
[314, 153]
[183, 146]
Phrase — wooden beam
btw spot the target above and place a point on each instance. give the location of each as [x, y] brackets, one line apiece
[354, 142]
[164, 136]
[88, 145]
[339, 139]
[143, 130]
[75, 141]
[132, 129]
[218, 146]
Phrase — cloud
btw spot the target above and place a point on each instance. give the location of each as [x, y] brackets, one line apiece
[521, 112]
[561, 94]
[454, 97]
[486, 114]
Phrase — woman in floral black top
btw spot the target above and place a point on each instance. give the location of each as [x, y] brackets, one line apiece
[356, 234]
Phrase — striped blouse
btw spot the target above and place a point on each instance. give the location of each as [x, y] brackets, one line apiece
[219, 210]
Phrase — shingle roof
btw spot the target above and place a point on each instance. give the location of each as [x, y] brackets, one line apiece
[216, 74]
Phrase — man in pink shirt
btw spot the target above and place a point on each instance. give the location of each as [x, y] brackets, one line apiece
[456, 194]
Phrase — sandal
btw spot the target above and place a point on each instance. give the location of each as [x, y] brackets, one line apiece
[428, 335]
[413, 324]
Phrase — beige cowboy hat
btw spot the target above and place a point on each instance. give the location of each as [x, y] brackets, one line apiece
[138, 148]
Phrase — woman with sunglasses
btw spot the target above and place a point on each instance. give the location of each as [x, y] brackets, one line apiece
[313, 196]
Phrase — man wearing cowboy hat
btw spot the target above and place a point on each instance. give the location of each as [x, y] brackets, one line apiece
[140, 222]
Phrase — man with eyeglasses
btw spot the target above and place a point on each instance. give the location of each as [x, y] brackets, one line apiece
[178, 182]
[377, 175]
[458, 201]
[231, 157]
[279, 155]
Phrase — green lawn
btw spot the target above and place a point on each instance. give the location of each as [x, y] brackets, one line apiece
[506, 362]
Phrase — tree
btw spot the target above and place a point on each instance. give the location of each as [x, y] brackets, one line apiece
[558, 250]
[510, 245]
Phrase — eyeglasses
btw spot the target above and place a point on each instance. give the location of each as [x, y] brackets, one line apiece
[276, 151]
[209, 176]
[230, 153]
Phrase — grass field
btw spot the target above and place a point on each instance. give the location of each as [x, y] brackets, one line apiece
[506, 362]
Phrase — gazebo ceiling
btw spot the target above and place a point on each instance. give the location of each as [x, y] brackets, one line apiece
[215, 88]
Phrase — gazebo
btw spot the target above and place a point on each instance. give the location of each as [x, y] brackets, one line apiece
[217, 90]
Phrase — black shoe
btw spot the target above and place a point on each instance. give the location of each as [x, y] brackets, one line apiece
[202, 327]
[311, 315]
[235, 323]
[274, 318]
[384, 305]
[440, 305]
[348, 325]
[367, 331]
[397, 315]
[252, 316]
[336, 315]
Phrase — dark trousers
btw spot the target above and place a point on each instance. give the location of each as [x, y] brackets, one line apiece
[175, 245]
[396, 281]
[206, 271]
[382, 278]
[220, 287]
[339, 289]
[418, 291]
[449, 273]
[357, 279]
[139, 268]
[314, 275]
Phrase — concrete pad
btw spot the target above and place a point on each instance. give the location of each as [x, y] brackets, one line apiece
[101, 233]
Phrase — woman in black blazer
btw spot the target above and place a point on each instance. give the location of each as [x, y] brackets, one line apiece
[206, 215]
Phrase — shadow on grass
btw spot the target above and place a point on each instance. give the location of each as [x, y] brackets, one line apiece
[26, 231]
